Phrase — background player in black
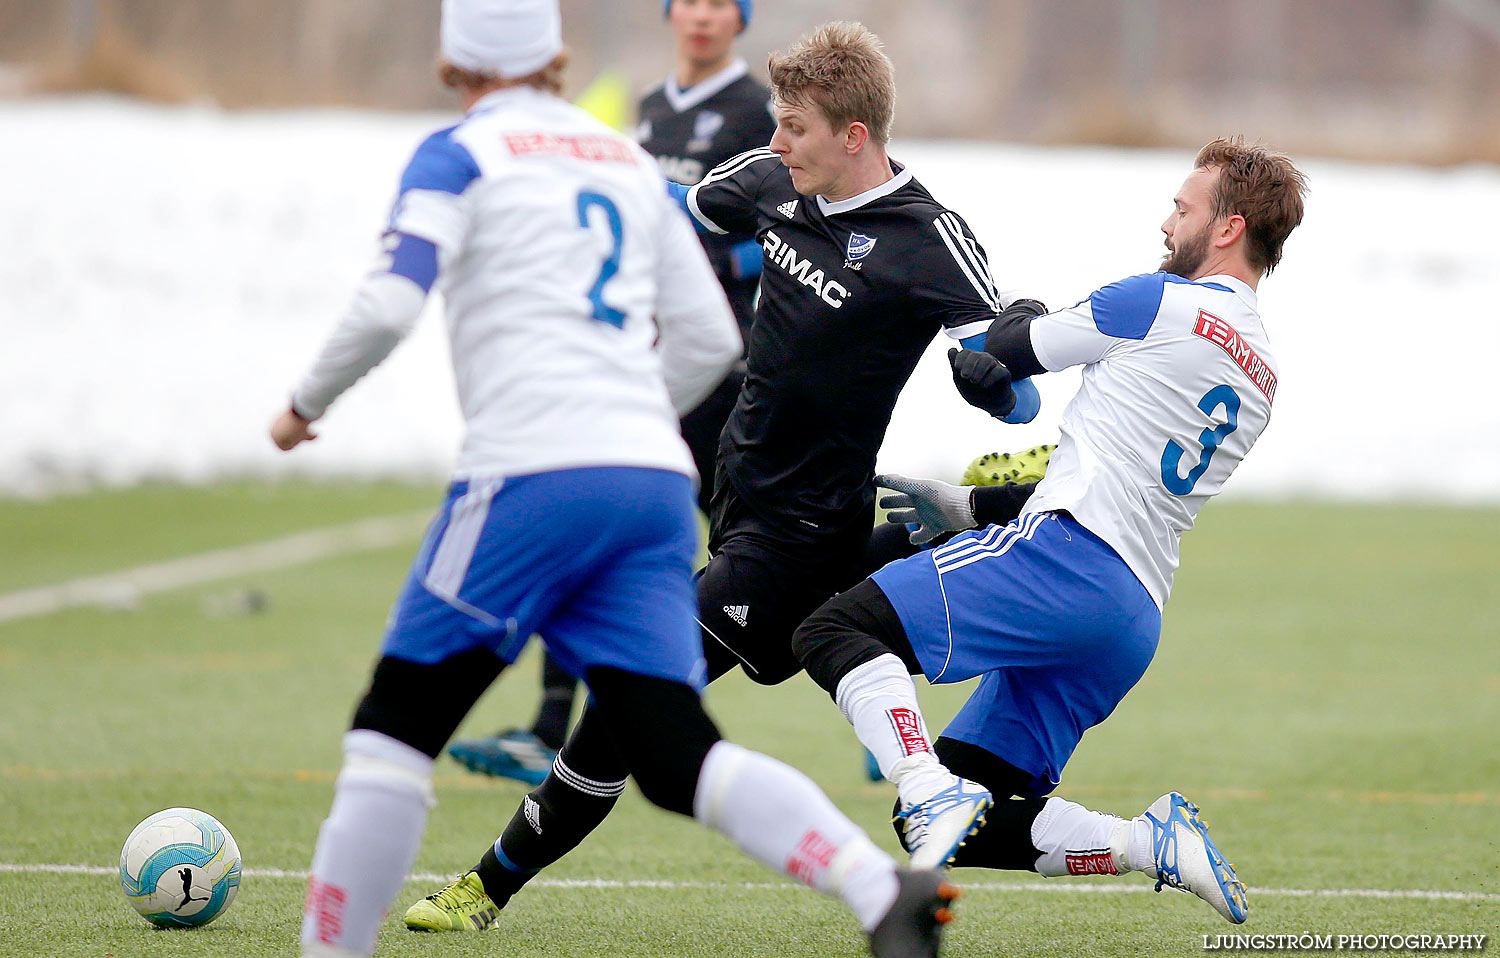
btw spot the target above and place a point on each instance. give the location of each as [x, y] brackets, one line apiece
[862, 268]
[708, 109]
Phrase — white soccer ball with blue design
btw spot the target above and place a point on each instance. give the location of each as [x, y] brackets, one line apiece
[180, 868]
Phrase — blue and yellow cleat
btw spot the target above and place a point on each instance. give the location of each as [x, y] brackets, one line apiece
[515, 753]
[1187, 859]
[937, 827]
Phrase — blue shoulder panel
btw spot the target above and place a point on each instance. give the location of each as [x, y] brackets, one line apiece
[1128, 308]
[440, 164]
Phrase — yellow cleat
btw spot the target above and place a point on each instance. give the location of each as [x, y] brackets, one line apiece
[460, 906]
[1008, 468]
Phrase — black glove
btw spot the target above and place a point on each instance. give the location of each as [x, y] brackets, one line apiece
[982, 380]
[1025, 308]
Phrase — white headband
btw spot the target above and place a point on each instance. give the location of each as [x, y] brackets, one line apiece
[507, 38]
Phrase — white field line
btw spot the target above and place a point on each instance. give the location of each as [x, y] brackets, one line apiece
[611, 883]
[298, 549]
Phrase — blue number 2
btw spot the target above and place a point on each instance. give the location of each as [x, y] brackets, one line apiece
[1209, 439]
[604, 312]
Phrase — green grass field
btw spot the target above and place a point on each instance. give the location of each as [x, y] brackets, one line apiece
[1327, 689]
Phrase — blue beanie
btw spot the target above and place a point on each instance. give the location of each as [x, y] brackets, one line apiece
[747, 10]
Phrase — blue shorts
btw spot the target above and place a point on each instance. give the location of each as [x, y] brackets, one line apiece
[1047, 613]
[597, 561]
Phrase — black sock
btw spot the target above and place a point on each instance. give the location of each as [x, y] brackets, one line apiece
[558, 690]
[572, 801]
[553, 818]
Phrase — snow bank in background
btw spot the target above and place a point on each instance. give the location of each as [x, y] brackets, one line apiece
[167, 274]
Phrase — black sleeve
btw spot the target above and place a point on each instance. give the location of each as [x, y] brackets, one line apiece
[952, 279]
[998, 505]
[1009, 339]
[724, 201]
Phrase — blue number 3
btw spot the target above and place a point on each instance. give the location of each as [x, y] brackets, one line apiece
[1210, 439]
[604, 312]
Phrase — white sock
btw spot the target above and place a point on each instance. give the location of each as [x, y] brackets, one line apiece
[1076, 841]
[781, 818]
[1131, 842]
[367, 844]
[880, 701]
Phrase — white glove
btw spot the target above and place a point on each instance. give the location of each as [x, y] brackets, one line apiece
[936, 507]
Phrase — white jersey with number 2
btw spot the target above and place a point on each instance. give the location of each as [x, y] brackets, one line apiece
[582, 315]
[1178, 380]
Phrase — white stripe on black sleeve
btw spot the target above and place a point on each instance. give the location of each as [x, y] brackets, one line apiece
[976, 254]
[966, 265]
[724, 170]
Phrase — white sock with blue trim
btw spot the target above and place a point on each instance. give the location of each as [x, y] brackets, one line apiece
[367, 844]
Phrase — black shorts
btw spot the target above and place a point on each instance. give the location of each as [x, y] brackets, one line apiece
[765, 577]
[701, 429]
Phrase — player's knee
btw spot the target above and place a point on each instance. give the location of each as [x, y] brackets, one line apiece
[419, 704]
[378, 762]
[845, 633]
[661, 731]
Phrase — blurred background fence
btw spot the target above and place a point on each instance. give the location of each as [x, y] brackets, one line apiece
[1414, 80]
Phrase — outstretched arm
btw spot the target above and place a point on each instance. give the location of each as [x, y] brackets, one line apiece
[384, 310]
[429, 214]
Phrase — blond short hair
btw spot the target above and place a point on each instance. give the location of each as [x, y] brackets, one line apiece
[549, 77]
[840, 67]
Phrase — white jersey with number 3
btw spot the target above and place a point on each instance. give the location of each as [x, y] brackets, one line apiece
[1178, 380]
[562, 259]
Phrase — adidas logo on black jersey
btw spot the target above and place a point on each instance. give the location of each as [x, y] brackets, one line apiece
[788, 209]
[739, 613]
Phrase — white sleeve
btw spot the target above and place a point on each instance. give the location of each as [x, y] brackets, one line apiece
[384, 310]
[1112, 318]
[700, 339]
[1069, 337]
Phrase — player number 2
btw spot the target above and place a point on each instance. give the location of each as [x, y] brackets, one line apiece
[604, 312]
[1209, 439]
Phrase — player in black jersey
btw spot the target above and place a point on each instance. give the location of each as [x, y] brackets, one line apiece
[708, 110]
[862, 268]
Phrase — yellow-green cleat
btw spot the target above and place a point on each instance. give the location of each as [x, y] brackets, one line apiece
[460, 906]
[1008, 468]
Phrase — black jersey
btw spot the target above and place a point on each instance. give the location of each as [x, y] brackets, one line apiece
[694, 130]
[851, 294]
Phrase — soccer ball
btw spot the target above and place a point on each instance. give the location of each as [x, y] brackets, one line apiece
[180, 868]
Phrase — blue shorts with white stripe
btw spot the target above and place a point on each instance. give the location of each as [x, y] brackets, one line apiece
[1047, 613]
[597, 561]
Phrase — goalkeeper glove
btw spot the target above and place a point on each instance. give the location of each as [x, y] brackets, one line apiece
[936, 507]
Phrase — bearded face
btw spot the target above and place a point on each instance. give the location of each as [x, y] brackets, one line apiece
[1189, 253]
